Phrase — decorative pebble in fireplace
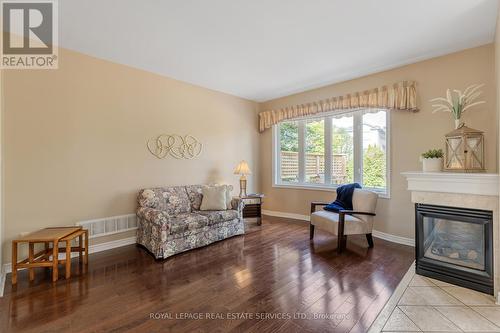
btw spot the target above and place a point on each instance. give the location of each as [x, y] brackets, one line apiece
[455, 245]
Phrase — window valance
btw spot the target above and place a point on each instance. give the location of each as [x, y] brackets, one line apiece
[399, 96]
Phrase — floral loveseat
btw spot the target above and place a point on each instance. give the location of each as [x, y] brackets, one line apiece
[170, 221]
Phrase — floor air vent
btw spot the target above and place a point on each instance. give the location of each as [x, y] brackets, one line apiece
[109, 225]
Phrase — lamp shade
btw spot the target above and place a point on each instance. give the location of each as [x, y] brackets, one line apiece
[242, 169]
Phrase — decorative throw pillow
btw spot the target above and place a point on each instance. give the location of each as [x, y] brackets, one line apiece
[214, 198]
[229, 198]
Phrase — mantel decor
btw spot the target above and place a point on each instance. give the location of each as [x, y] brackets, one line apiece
[432, 160]
[458, 102]
[464, 150]
[177, 146]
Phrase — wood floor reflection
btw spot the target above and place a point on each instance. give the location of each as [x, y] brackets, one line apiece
[270, 280]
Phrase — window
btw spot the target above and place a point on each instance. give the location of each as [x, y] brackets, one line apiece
[342, 149]
[326, 151]
[315, 151]
[289, 145]
[374, 150]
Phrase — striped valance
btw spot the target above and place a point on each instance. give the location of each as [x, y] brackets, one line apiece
[400, 96]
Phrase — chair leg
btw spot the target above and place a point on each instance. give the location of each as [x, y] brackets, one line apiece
[341, 238]
[342, 244]
[369, 238]
[311, 231]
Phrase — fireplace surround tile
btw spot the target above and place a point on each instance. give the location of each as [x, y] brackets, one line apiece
[467, 319]
[427, 318]
[458, 317]
[440, 283]
[468, 296]
[398, 321]
[421, 281]
[492, 313]
[427, 296]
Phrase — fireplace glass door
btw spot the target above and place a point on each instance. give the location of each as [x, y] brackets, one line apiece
[455, 242]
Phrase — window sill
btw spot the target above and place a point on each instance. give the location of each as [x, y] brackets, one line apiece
[312, 187]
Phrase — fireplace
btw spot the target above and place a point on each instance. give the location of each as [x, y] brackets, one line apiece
[455, 245]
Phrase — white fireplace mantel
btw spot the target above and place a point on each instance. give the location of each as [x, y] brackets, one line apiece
[447, 182]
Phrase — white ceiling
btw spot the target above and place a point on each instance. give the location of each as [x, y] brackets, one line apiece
[263, 49]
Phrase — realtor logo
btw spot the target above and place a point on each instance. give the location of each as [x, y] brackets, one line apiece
[29, 39]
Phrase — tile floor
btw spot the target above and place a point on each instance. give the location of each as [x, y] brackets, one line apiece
[427, 305]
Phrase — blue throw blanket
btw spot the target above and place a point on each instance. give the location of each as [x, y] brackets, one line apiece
[344, 198]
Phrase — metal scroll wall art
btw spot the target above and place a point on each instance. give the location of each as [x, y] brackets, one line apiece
[177, 146]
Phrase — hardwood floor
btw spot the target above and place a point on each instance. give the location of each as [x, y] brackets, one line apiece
[270, 280]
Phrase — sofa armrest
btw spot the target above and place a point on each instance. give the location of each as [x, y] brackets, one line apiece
[156, 216]
[238, 204]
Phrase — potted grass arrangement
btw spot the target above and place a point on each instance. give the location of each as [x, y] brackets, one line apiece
[458, 102]
[432, 160]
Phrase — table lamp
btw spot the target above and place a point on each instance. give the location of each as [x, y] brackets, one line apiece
[243, 170]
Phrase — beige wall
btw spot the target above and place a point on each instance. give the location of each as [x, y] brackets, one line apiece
[75, 140]
[411, 133]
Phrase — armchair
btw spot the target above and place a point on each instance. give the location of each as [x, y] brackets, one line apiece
[357, 221]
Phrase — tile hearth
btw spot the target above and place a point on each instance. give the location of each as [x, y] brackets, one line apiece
[422, 304]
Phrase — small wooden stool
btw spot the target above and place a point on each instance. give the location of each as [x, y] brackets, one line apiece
[69, 249]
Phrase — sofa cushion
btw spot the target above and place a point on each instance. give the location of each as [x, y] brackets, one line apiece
[176, 200]
[217, 216]
[329, 221]
[195, 196]
[186, 221]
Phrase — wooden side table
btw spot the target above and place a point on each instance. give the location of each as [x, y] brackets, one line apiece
[41, 258]
[253, 206]
[81, 248]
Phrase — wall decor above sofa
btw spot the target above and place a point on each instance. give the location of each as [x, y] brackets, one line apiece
[177, 146]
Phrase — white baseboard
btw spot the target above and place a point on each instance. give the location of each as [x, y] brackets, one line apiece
[393, 238]
[286, 215]
[375, 233]
[111, 245]
[7, 268]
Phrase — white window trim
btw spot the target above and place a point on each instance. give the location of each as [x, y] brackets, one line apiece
[324, 187]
